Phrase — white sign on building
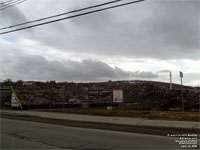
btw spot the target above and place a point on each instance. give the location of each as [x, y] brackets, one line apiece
[14, 101]
[117, 96]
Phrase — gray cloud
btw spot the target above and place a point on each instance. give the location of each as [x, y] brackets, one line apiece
[163, 71]
[162, 30]
[177, 24]
[11, 17]
[35, 67]
[154, 29]
[159, 30]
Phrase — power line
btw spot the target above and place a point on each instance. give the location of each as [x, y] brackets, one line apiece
[6, 2]
[77, 10]
[73, 16]
[14, 3]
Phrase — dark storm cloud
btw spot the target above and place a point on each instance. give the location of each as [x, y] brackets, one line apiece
[34, 67]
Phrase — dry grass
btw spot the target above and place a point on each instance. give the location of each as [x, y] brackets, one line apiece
[169, 115]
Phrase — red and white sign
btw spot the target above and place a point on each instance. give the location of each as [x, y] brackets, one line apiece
[117, 96]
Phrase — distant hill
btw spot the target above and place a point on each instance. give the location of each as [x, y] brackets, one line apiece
[155, 83]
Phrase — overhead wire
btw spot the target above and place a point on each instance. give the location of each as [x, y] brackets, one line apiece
[6, 1]
[12, 4]
[69, 17]
[61, 14]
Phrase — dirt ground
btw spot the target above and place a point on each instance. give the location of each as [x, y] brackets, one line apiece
[168, 115]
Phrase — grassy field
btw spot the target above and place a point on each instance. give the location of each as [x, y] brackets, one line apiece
[167, 115]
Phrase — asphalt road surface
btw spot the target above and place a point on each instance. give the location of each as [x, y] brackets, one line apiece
[18, 134]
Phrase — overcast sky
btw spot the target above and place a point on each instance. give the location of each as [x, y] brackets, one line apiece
[141, 41]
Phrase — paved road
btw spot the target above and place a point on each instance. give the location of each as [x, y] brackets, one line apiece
[17, 134]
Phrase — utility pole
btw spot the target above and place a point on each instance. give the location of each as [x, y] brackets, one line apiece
[181, 77]
[170, 74]
[170, 77]
[64, 98]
